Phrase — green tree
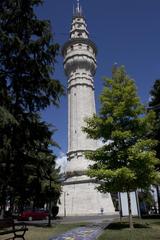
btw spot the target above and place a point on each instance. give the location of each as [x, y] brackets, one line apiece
[27, 59]
[155, 105]
[33, 159]
[7, 122]
[126, 160]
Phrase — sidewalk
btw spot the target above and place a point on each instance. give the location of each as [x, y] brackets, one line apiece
[89, 219]
[90, 232]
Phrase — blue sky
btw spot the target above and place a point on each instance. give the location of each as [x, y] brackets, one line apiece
[125, 31]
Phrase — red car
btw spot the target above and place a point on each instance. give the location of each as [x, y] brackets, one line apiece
[36, 214]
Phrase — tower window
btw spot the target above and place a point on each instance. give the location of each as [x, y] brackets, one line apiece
[79, 34]
[80, 45]
[79, 25]
[71, 47]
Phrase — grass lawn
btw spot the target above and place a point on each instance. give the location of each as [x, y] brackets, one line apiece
[144, 229]
[44, 233]
[148, 229]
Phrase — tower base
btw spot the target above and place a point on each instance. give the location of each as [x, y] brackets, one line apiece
[80, 198]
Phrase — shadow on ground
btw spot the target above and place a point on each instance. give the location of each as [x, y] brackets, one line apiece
[120, 226]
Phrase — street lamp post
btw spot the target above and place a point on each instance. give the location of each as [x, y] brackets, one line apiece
[64, 204]
[65, 210]
[49, 216]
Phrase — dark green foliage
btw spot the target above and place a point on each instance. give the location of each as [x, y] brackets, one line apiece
[27, 55]
[55, 210]
[155, 96]
[155, 105]
[27, 58]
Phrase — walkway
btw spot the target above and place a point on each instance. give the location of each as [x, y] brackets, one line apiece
[90, 232]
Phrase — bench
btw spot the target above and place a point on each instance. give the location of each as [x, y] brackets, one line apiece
[8, 226]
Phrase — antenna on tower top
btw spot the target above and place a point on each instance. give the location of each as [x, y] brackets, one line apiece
[78, 6]
[78, 10]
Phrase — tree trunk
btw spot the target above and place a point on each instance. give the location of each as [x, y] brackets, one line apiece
[130, 211]
[2, 213]
[120, 207]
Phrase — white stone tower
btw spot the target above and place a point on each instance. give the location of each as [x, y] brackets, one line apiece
[79, 194]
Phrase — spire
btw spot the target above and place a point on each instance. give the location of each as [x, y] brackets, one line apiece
[78, 11]
[78, 7]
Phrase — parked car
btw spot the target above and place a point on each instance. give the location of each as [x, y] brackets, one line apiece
[33, 214]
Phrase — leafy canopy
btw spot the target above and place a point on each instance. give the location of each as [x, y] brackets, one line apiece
[155, 105]
[126, 160]
[27, 60]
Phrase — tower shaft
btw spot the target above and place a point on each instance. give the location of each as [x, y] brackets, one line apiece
[80, 196]
[80, 105]
[80, 66]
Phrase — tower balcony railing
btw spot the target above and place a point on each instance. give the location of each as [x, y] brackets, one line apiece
[82, 51]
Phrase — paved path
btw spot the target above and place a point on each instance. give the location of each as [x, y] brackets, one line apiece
[89, 219]
[90, 232]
